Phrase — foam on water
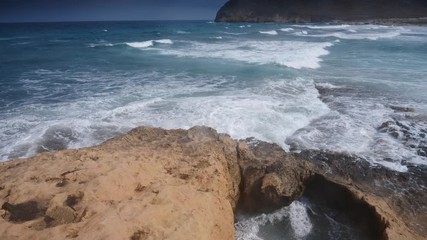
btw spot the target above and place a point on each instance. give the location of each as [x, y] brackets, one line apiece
[343, 26]
[353, 32]
[164, 41]
[144, 44]
[293, 54]
[286, 29]
[80, 102]
[296, 213]
[300, 221]
[175, 101]
[272, 32]
[353, 127]
[149, 43]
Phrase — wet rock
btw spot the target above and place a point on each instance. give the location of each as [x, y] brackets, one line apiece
[402, 109]
[378, 181]
[270, 177]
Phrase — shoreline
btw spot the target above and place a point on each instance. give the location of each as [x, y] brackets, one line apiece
[204, 175]
[388, 21]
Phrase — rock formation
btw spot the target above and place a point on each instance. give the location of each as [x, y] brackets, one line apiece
[410, 11]
[180, 184]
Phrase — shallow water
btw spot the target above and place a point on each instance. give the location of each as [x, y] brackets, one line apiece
[70, 85]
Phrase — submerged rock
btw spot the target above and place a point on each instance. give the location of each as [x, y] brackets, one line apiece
[184, 184]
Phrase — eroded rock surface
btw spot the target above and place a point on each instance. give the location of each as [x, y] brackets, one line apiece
[177, 184]
[148, 184]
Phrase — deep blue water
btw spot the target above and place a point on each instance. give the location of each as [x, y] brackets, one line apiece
[70, 85]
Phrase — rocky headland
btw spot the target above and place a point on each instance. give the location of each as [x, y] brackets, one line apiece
[361, 11]
[186, 184]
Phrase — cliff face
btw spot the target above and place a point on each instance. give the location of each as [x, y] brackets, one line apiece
[185, 184]
[320, 10]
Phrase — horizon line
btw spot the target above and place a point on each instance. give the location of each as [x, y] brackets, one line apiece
[82, 21]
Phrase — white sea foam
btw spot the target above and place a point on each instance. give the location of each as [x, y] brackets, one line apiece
[182, 32]
[343, 26]
[294, 54]
[144, 44]
[169, 101]
[149, 43]
[300, 221]
[296, 213]
[352, 127]
[355, 32]
[272, 32]
[94, 45]
[234, 33]
[327, 85]
[358, 36]
[286, 29]
[164, 41]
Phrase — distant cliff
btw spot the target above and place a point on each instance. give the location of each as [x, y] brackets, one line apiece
[411, 11]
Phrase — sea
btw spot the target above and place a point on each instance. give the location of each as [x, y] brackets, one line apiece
[356, 89]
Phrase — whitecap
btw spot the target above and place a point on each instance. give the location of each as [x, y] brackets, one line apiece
[144, 44]
[164, 41]
[286, 29]
[149, 43]
[272, 32]
[294, 54]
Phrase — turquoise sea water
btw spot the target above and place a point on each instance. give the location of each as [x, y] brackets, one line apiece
[70, 85]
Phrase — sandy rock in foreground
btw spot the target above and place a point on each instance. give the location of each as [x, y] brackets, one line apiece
[184, 184]
[148, 184]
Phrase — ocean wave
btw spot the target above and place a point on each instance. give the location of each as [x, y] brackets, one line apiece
[355, 125]
[148, 43]
[354, 36]
[94, 45]
[293, 54]
[233, 33]
[286, 29]
[182, 32]
[353, 32]
[272, 32]
[342, 26]
[174, 101]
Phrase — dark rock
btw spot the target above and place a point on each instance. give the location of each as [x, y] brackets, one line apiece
[386, 124]
[402, 109]
[377, 11]
[378, 181]
[270, 177]
[23, 212]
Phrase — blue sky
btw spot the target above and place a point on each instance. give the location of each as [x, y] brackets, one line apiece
[96, 10]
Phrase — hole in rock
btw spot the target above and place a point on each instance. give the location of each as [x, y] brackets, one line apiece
[326, 211]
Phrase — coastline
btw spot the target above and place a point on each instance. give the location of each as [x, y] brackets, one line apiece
[386, 21]
[177, 178]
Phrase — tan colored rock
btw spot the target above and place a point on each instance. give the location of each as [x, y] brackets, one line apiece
[148, 184]
[167, 184]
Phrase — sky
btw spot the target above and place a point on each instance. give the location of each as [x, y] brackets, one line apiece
[98, 10]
